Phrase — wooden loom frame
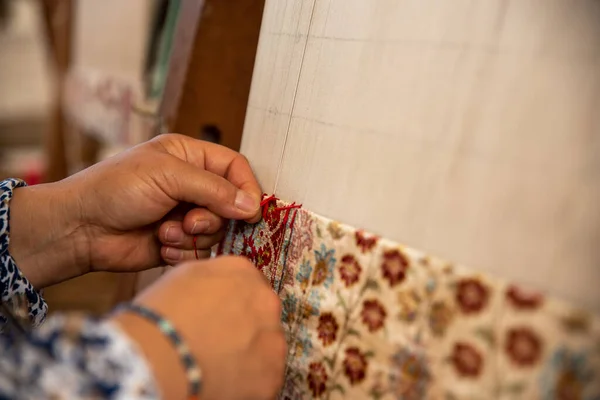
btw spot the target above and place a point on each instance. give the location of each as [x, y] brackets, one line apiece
[210, 73]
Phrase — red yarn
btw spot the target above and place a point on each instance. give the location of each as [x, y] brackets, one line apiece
[266, 201]
[195, 248]
[264, 204]
[287, 210]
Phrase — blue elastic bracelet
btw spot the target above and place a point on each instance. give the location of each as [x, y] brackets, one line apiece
[192, 371]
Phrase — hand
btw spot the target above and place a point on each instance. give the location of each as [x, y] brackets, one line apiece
[228, 316]
[133, 211]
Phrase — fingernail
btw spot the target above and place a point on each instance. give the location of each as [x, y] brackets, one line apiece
[173, 235]
[246, 202]
[173, 254]
[200, 227]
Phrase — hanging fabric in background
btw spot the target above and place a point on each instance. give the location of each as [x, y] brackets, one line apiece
[159, 49]
[368, 318]
[99, 105]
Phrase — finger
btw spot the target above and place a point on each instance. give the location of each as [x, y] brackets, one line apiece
[173, 255]
[171, 234]
[175, 215]
[201, 221]
[188, 183]
[214, 158]
[206, 242]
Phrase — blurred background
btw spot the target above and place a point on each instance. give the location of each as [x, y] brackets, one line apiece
[84, 79]
[55, 55]
[26, 93]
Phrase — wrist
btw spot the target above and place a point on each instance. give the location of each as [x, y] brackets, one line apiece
[46, 239]
[160, 354]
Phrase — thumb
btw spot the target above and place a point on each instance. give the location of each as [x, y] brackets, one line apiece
[191, 184]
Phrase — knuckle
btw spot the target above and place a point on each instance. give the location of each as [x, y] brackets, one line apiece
[243, 159]
[167, 137]
[223, 192]
[202, 213]
[161, 141]
[167, 142]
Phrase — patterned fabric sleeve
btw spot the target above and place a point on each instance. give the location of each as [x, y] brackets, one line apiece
[68, 357]
[73, 357]
[15, 290]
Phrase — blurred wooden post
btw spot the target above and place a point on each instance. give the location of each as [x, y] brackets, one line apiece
[211, 95]
[58, 22]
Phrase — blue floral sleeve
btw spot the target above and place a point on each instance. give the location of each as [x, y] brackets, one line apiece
[68, 356]
[17, 292]
[73, 357]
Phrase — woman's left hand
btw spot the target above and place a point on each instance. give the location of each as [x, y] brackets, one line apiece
[133, 211]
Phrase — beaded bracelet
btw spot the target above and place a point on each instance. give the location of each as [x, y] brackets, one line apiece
[192, 371]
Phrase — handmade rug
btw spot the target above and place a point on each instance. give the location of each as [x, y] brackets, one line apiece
[368, 318]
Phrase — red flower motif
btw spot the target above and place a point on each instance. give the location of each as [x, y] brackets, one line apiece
[327, 328]
[523, 346]
[471, 295]
[364, 242]
[373, 315]
[317, 379]
[467, 361]
[350, 270]
[394, 266]
[523, 299]
[355, 365]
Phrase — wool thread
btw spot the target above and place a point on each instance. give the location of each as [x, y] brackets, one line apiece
[196, 247]
[264, 204]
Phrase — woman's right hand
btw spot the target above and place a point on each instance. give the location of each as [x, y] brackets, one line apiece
[229, 317]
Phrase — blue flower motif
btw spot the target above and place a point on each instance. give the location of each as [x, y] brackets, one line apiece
[303, 274]
[238, 243]
[410, 374]
[324, 265]
[257, 238]
[567, 375]
[314, 300]
[289, 308]
[430, 285]
[303, 343]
